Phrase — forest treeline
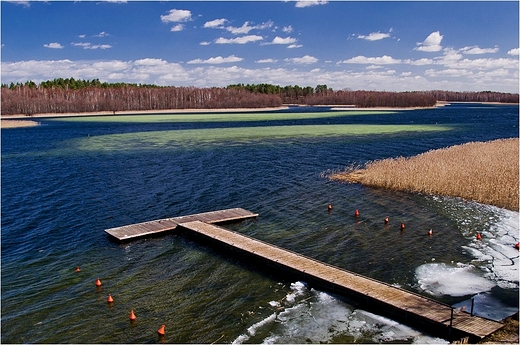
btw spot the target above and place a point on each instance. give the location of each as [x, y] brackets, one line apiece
[73, 96]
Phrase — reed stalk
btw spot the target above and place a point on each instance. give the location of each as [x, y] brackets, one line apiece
[486, 172]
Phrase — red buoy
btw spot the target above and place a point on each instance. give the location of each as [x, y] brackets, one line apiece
[110, 299]
[517, 246]
[402, 226]
[160, 331]
[386, 221]
[329, 207]
[430, 232]
[78, 269]
[98, 282]
[132, 315]
[479, 236]
[356, 213]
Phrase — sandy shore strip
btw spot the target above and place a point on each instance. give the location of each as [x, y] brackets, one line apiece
[143, 112]
[18, 123]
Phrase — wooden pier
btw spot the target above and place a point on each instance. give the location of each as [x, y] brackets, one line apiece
[435, 317]
[159, 226]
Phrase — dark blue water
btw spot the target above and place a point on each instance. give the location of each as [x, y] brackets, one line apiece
[64, 182]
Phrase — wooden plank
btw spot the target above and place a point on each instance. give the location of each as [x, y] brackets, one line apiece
[412, 304]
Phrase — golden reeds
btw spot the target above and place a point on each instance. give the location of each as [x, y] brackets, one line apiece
[486, 172]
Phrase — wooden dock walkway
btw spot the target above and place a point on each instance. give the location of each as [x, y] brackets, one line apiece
[435, 317]
[154, 227]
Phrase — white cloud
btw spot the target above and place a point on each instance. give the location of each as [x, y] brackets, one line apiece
[286, 40]
[266, 61]
[420, 62]
[374, 36]
[515, 51]
[217, 23]
[216, 60]
[477, 50]
[176, 16]
[82, 36]
[245, 28]
[53, 45]
[432, 43]
[177, 28]
[287, 29]
[382, 60]
[294, 46]
[450, 73]
[304, 60]
[308, 3]
[88, 45]
[239, 40]
[150, 62]
[204, 43]
[102, 34]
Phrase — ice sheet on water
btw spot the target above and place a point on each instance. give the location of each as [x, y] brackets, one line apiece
[494, 254]
[316, 317]
[459, 280]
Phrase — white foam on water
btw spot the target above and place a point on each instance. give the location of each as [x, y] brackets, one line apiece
[460, 280]
[494, 254]
[316, 317]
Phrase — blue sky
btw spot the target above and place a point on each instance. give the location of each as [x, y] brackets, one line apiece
[393, 46]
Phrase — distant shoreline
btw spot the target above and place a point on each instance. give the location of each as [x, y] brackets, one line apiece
[20, 120]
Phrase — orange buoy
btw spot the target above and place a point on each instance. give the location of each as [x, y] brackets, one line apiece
[132, 315]
[160, 331]
[430, 232]
[402, 226]
[517, 246]
[356, 213]
[386, 221]
[329, 207]
[98, 282]
[78, 269]
[479, 236]
[110, 299]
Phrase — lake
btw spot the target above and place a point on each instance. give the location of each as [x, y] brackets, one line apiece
[67, 180]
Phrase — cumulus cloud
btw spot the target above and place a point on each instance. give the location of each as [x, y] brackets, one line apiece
[382, 60]
[308, 3]
[286, 40]
[432, 43]
[239, 40]
[515, 51]
[178, 27]
[287, 29]
[266, 61]
[291, 46]
[53, 45]
[216, 60]
[217, 23]
[304, 60]
[205, 43]
[374, 36]
[175, 15]
[477, 50]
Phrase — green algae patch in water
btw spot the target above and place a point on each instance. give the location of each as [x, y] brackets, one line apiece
[239, 135]
[217, 117]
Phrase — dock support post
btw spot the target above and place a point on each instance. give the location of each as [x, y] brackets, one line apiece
[472, 305]
[451, 325]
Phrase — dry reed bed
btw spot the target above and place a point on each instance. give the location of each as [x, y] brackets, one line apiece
[486, 172]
